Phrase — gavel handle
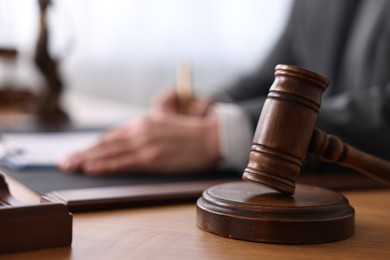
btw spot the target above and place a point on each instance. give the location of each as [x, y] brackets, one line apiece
[332, 149]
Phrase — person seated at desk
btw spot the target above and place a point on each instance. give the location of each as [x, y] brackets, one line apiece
[348, 41]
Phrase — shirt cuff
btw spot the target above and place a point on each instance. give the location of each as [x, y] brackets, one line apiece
[235, 135]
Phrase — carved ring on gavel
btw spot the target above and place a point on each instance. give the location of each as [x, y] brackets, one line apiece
[286, 133]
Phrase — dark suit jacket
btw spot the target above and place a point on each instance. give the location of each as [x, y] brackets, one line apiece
[348, 42]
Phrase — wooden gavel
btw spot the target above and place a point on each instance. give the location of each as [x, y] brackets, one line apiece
[286, 133]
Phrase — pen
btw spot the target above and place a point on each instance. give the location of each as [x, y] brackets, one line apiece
[184, 86]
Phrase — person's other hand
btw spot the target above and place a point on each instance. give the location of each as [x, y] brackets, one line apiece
[167, 101]
[158, 143]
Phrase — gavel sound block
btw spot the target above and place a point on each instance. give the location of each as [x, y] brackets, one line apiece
[270, 207]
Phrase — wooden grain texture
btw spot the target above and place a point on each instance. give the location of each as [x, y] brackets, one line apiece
[254, 212]
[286, 133]
[332, 149]
[285, 128]
[32, 226]
[170, 232]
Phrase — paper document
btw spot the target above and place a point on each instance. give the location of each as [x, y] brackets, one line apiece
[20, 150]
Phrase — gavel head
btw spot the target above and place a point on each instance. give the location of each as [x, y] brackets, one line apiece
[285, 128]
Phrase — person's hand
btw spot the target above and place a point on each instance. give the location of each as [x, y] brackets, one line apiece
[158, 143]
[167, 101]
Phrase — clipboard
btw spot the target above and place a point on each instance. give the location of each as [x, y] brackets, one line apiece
[83, 193]
[78, 200]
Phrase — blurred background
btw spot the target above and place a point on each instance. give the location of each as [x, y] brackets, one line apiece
[128, 49]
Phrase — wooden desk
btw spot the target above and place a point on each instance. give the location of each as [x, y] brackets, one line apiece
[170, 232]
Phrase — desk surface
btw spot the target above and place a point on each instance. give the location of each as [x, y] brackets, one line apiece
[170, 232]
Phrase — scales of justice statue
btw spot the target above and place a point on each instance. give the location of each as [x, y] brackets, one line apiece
[42, 107]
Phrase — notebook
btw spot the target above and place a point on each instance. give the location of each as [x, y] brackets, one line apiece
[21, 150]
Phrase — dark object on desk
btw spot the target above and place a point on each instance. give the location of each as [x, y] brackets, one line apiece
[252, 211]
[49, 179]
[49, 105]
[29, 227]
[91, 199]
[83, 193]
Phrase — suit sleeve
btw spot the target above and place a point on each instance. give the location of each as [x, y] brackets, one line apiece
[361, 117]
